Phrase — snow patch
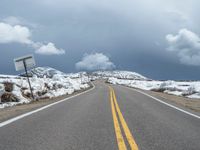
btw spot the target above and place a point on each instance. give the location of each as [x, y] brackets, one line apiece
[190, 89]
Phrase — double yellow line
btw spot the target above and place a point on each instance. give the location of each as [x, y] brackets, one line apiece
[116, 110]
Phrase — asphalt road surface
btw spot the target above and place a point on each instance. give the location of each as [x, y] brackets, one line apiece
[105, 118]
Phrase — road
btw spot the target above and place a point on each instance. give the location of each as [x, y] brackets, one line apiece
[105, 118]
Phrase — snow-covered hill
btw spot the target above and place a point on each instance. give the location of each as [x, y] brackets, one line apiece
[120, 74]
[44, 72]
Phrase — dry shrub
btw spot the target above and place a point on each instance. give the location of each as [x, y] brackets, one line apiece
[24, 88]
[8, 86]
[8, 97]
[40, 93]
[47, 86]
[158, 89]
[27, 94]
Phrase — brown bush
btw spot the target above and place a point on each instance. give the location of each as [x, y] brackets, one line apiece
[27, 94]
[24, 88]
[47, 86]
[8, 97]
[158, 90]
[40, 93]
[8, 86]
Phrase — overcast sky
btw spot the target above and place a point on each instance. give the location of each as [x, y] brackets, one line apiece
[158, 39]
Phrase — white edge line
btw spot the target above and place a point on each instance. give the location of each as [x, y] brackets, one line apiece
[42, 108]
[172, 106]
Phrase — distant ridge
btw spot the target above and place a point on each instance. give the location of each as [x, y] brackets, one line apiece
[50, 72]
[120, 74]
[43, 72]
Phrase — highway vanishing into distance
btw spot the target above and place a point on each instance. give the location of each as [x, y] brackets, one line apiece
[108, 117]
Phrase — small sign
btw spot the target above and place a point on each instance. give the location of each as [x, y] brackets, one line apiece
[22, 63]
[27, 60]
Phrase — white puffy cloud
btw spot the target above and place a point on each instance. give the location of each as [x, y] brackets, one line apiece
[49, 49]
[17, 33]
[187, 46]
[95, 61]
[22, 34]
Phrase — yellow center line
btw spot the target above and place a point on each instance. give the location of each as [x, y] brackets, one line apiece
[120, 139]
[125, 127]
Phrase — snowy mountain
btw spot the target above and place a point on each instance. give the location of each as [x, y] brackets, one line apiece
[120, 74]
[43, 72]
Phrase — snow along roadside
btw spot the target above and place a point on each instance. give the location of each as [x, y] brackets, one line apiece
[188, 89]
[2, 124]
[165, 103]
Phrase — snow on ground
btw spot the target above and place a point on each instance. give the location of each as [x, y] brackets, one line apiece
[42, 87]
[190, 89]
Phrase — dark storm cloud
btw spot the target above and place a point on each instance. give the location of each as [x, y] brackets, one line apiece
[131, 33]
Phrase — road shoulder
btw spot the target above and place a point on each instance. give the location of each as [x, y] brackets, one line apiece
[192, 104]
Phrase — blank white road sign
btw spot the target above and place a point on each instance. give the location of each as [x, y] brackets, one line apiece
[19, 62]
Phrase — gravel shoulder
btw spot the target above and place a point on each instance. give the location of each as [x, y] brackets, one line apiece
[189, 103]
[10, 112]
[192, 104]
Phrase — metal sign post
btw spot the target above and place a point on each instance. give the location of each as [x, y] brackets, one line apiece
[23, 63]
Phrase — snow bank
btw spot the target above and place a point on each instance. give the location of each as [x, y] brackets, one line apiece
[56, 86]
[187, 89]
